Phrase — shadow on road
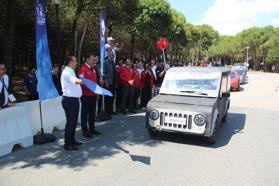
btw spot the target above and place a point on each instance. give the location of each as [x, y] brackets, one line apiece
[241, 89]
[235, 124]
[116, 133]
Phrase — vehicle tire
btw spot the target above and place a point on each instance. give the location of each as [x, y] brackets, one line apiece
[226, 115]
[238, 88]
[213, 138]
[152, 133]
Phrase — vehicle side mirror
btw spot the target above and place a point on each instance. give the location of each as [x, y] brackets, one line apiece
[226, 94]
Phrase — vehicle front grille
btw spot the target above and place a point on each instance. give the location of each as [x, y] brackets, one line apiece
[188, 122]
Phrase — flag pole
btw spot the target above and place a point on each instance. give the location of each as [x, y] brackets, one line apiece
[46, 87]
[164, 56]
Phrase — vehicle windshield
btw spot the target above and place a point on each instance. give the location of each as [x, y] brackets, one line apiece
[193, 84]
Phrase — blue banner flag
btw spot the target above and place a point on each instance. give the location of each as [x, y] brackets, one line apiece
[94, 87]
[102, 39]
[46, 86]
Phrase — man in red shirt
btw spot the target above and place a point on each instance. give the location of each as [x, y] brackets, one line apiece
[137, 85]
[88, 99]
[147, 80]
[127, 78]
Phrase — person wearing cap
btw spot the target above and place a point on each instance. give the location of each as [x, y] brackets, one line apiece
[71, 93]
[110, 82]
[111, 46]
[88, 98]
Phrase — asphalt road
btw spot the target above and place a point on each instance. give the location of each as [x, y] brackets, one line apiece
[246, 153]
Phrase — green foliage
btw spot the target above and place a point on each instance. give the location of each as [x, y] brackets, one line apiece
[262, 42]
[154, 19]
[138, 24]
[273, 55]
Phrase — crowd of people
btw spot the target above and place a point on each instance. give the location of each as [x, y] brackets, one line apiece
[132, 85]
[131, 82]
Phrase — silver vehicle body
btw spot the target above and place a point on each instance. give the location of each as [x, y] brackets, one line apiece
[192, 100]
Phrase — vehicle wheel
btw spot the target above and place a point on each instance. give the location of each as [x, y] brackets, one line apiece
[213, 138]
[152, 133]
[238, 88]
[225, 116]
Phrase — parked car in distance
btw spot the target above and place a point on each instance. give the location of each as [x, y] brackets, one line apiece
[240, 70]
[192, 100]
[234, 80]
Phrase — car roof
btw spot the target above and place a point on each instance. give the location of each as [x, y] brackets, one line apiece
[200, 69]
[238, 67]
[238, 64]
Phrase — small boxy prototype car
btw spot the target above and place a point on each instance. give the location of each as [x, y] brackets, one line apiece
[192, 100]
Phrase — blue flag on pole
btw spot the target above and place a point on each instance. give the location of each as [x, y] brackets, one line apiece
[46, 86]
[94, 87]
[102, 39]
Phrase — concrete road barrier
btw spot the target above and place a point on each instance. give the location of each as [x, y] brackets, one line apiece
[14, 129]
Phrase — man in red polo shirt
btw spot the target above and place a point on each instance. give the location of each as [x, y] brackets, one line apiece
[88, 99]
[127, 78]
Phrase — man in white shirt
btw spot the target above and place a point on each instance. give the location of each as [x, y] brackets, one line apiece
[71, 93]
[4, 85]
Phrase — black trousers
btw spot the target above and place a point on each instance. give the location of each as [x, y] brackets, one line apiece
[100, 104]
[88, 113]
[118, 100]
[71, 108]
[109, 101]
[146, 93]
[127, 95]
[136, 96]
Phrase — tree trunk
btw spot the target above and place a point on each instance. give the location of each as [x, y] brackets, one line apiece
[110, 29]
[81, 42]
[132, 46]
[58, 59]
[75, 26]
[172, 50]
[9, 36]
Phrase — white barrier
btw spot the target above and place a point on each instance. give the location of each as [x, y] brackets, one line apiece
[53, 114]
[14, 129]
[33, 114]
[20, 123]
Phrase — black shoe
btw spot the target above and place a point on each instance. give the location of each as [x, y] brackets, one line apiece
[95, 132]
[113, 113]
[78, 143]
[87, 135]
[70, 147]
[132, 111]
[123, 112]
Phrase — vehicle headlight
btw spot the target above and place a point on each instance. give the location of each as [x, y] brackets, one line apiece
[199, 119]
[154, 114]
